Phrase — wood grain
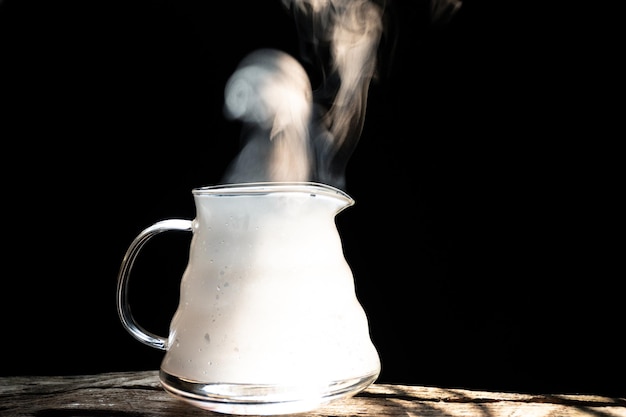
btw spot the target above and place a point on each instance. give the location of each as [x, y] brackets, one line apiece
[134, 394]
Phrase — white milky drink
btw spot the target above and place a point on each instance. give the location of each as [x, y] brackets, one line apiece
[268, 320]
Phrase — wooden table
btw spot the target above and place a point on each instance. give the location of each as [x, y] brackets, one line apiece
[135, 394]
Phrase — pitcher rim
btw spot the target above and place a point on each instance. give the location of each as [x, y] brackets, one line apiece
[255, 188]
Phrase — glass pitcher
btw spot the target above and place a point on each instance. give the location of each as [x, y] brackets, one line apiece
[268, 321]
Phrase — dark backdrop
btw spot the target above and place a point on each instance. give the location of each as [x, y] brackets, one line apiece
[483, 236]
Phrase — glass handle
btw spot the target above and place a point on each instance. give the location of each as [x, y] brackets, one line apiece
[123, 307]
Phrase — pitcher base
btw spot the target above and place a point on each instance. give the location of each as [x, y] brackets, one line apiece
[262, 399]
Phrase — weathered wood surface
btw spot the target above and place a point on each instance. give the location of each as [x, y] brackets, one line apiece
[134, 394]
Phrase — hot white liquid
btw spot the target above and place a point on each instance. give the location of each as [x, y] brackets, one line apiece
[267, 297]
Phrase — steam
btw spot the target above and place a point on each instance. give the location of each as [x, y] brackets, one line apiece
[290, 131]
[442, 11]
[271, 94]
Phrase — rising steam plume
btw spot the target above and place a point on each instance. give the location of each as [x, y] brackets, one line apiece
[293, 131]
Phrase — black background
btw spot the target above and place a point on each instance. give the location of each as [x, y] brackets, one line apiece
[484, 236]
